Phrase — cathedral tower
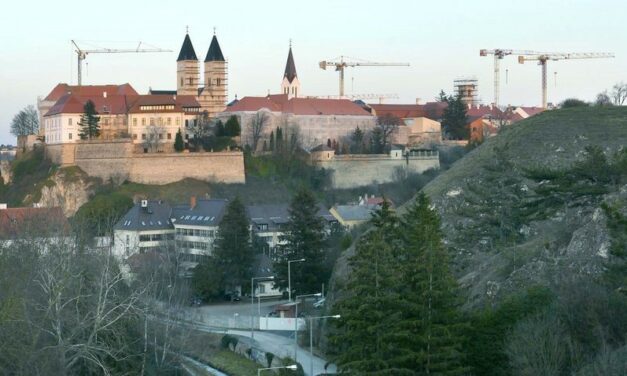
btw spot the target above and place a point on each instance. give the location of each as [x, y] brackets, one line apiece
[187, 69]
[290, 84]
[214, 95]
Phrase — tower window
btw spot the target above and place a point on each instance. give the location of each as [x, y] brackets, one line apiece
[191, 80]
[69, 121]
[181, 81]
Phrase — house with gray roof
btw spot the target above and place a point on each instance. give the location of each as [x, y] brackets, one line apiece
[145, 227]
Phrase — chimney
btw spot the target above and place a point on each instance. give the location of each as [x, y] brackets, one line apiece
[104, 94]
[192, 202]
[3, 206]
[418, 101]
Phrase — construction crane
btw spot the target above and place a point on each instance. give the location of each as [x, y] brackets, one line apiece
[542, 60]
[341, 64]
[82, 54]
[353, 97]
[499, 54]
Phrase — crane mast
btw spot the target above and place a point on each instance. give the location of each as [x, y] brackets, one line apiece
[81, 55]
[543, 59]
[341, 64]
[499, 54]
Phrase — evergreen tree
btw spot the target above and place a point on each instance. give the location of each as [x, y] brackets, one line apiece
[233, 251]
[272, 141]
[454, 119]
[442, 97]
[357, 138]
[376, 141]
[232, 127]
[220, 132]
[89, 123]
[179, 145]
[208, 280]
[303, 237]
[430, 331]
[364, 337]
[278, 144]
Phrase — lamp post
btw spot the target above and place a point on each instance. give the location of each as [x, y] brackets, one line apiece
[311, 337]
[293, 367]
[289, 277]
[296, 322]
[252, 302]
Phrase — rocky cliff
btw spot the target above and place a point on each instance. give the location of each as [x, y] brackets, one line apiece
[68, 188]
[509, 227]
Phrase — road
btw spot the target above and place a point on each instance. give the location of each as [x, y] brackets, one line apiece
[234, 318]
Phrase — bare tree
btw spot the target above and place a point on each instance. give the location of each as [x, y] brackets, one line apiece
[387, 123]
[25, 122]
[603, 100]
[258, 123]
[154, 137]
[619, 93]
[201, 128]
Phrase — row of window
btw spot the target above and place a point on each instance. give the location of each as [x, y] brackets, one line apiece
[156, 107]
[158, 121]
[195, 232]
[160, 136]
[155, 237]
[183, 244]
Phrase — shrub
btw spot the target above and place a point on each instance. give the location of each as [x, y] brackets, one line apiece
[573, 102]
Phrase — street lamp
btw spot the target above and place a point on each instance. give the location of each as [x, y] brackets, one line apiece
[293, 367]
[289, 277]
[252, 302]
[296, 321]
[311, 337]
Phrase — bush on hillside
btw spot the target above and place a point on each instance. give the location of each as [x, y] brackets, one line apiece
[573, 102]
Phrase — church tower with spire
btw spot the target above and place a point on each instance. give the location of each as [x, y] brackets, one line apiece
[214, 94]
[187, 69]
[290, 84]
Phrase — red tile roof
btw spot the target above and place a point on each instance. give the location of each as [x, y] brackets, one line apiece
[73, 104]
[15, 222]
[431, 110]
[89, 90]
[180, 102]
[532, 110]
[299, 106]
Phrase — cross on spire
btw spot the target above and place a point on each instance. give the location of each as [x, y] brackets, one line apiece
[214, 30]
[186, 29]
[290, 42]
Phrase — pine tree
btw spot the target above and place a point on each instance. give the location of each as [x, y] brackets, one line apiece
[364, 337]
[232, 127]
[278, 144]
[454, 119]
[89, 123]
[233, 252]
[303, 237]
[430, 330]
[179, 145]
[376, 141]
[272, 141]
[357, 138]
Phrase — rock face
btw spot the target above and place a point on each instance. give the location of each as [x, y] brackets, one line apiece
[5, 172]
[68, 188]
[501, 239]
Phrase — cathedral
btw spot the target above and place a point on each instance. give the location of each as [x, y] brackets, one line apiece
[212, 91]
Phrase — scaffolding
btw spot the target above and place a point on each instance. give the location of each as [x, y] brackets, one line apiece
[468, 89]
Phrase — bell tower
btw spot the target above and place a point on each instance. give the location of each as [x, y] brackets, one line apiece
[214, 94]
[290, 84]
[187, 69]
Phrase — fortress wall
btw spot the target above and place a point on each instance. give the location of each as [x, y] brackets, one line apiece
[350, 172]
[223, 167]
[61, 154]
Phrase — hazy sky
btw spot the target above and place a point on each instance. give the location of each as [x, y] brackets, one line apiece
[440, 39]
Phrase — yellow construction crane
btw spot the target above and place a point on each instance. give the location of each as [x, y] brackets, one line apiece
[500, 53]
[341, 64]
[82, 54]
[542, 60]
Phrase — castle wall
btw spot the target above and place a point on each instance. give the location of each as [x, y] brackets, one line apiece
[116, 160]
[349, 171]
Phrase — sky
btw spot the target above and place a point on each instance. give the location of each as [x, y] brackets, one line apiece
[439, 39]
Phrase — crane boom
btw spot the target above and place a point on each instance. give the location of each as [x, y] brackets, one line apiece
[543, 58]
[341, 64]
[500, 53]
[82, 54]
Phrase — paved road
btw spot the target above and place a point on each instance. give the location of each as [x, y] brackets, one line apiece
[234, 318]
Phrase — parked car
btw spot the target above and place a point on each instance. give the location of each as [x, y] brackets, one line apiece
[195, 301]
[232, 296]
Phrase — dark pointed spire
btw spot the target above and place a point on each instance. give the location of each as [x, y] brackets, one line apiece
[214, 53]
[187, 50]
[290, 67]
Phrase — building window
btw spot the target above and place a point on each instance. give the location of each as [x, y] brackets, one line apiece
[106, 121]
[69, 121]
[69, 136]
[217, 82]
[191, 81]
[169, 136]
[178, 121]
[128, 240]
[161, 136]
[181, 81]
[143, 136]
[152, 121]
[134, 122]
[134, 136]
[143, 121]
[169, 121]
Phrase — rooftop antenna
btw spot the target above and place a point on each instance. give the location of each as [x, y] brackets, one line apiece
[554, 79]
